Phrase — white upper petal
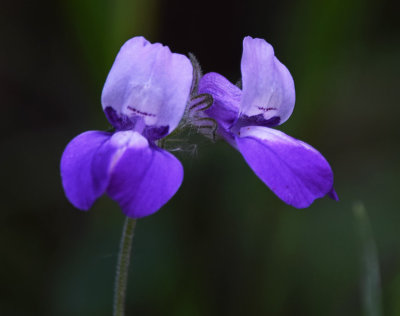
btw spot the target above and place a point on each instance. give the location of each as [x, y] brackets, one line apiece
[268, 87]
[148, 83]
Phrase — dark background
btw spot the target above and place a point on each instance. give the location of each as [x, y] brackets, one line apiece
[225, 244]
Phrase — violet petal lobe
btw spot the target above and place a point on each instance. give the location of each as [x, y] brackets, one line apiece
[296, 172]
[149, 86]
[333, 195]
[268, 87]
[226, 97]
[142, 177]
[79, 185]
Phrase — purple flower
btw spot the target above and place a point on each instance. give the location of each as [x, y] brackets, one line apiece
[144, 98]
[296, 172]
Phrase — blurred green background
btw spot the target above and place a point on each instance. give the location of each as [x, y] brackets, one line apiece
[224, 245]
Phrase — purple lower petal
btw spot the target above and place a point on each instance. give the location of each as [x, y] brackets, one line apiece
[142, 177]
[292, 169]
[80, 187]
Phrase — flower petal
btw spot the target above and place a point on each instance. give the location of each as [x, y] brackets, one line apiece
[296, 172]
[333, 195]
[147, 88]
[268, 88]
[142, 177]
[226, 97]
[76, 165]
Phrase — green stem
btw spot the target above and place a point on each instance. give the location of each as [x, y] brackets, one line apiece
[121, 278]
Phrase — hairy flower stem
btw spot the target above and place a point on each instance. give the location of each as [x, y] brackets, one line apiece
[121, 277]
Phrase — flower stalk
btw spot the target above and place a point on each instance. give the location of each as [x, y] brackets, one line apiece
[124, 256]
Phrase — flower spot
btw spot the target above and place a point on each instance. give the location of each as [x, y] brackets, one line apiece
[141, 112]
[265, 109]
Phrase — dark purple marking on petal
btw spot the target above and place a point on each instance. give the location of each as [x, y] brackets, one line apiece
[123, 123]
[256, 120]
[155, 132]
[119, 121]
[264, 109]
[140, 112]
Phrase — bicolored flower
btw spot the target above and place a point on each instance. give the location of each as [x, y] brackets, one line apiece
[296, 172]
[144, 98]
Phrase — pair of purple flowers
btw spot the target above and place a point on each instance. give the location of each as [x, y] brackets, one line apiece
[148, 91]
